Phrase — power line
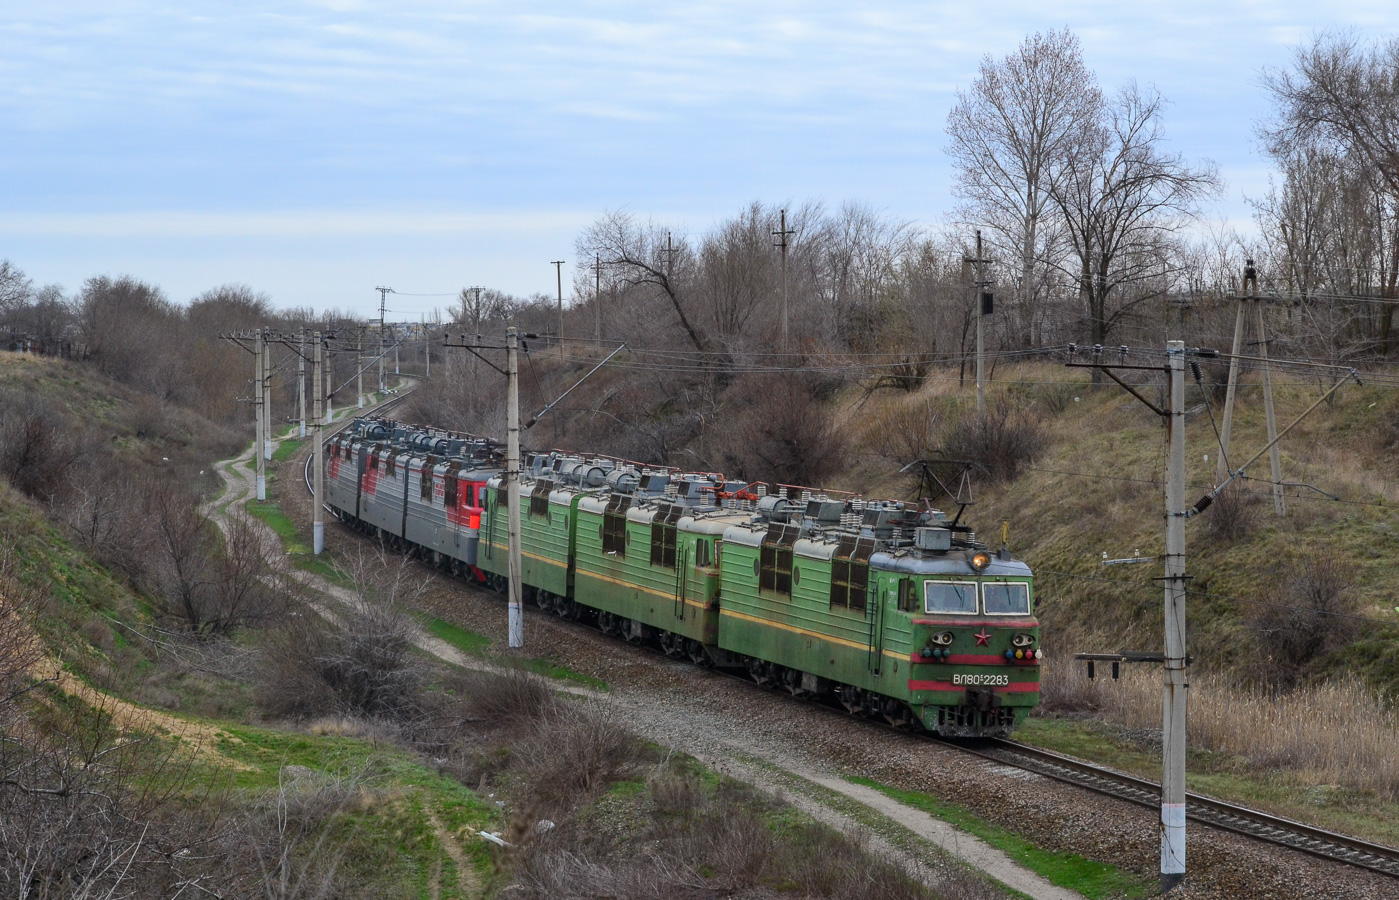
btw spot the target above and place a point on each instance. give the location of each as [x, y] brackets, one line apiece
[1213, 596]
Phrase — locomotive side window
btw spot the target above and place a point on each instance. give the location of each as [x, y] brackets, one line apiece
[908, 597]
[539, 498]
[702, 553]
[614, 525]
[775, 559]
[850, 572]
[450, 500]
[949, 597]
[663, 535]
[1006, 599]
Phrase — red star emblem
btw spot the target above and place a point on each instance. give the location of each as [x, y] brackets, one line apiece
[982, 638]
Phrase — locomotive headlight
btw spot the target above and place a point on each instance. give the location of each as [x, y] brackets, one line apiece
[980, 560]
[1022, 640]
[942, 639]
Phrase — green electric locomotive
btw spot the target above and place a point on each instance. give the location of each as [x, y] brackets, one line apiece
[893, 611]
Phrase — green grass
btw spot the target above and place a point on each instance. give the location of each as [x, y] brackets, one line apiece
[385, 827]
[286, 449]
[1069, 870]
[465, 641]
[550, 669]
[474, 644]
[271, 514]
[301, 555]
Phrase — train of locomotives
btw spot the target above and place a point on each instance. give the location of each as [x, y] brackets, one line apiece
[893, 611]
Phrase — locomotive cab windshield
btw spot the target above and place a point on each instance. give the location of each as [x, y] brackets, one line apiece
[956, 597]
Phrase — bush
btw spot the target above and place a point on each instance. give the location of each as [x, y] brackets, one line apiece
[38, 449]
[504, 701]
[1310, 616]
[1235, 513]
[778, 427]
[357, 659]
[573, 753]
[1000, 443]
[360, 665]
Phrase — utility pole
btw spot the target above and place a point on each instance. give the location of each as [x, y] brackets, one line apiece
[396, 343]
[259, 349]
[558, 271]
[597, 297]
[974, 275]
[267, 395]
[359, 369]
[301, 379]
[427, 350]
[980, 339]
[669, 251]
[510, 478]
[782, 232]
[1279, 504]
[329, 387]
[475, 322]
[1222, 472]
[318, 454]
[383, 300]
[1226, 427]
[512, 485]
[1173, 687]
[1173, 657]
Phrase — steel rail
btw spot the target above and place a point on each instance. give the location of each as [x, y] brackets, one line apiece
[1207, 810]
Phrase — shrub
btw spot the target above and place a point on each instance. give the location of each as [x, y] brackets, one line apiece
[778, 427]
[1235, 513]
[572, 754]
[357, 660]
[999, 443]
[37, 447]
[1310, 616]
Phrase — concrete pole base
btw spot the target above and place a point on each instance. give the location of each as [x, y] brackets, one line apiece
[517, 626]
[262, 487]
[1171, 881]
[318, 538]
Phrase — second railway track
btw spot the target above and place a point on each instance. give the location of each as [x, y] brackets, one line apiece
[1241, 820]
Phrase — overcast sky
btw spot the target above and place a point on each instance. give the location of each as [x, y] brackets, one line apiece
[316, 150]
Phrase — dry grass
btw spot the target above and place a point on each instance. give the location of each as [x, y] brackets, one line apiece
[1338, 733]
[682, 836]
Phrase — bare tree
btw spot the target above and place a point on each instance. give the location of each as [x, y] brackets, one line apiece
[1010, 133]
[1334, 123]
[1122, 198]
[739, 271]
[646, 256]
[209, 586]
[15, 290]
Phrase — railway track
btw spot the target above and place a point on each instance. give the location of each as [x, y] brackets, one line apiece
[1241, 820]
